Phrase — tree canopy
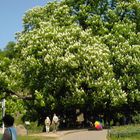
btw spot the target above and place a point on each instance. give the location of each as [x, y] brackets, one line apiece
[76, 54]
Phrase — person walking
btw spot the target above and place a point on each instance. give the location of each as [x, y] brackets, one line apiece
[10, 131]
[47, 124]
[55, 123]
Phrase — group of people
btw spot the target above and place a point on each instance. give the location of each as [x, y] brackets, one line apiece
[54, 123]
[10, 131]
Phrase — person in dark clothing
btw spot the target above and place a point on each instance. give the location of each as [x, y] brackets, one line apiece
[10, 131]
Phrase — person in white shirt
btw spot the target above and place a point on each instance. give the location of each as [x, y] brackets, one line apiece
[55, 122]
[47, 124]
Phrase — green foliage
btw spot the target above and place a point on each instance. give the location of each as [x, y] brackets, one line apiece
[9, 50]
[136, 118]
[34, 128]
[15, 107]
[75, 54]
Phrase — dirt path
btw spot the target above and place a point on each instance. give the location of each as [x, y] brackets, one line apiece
[86, 135]
[76, 135]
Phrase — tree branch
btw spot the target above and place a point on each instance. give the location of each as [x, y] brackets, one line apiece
[12, 93]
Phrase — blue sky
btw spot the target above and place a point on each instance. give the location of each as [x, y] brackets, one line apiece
[11, 13]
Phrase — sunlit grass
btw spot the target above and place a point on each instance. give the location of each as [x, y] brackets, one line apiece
[33, 138]
[128, 132]
[137, 137]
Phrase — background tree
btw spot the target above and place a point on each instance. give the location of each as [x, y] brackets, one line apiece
[9, 50]
[82, 54]
[14, 105]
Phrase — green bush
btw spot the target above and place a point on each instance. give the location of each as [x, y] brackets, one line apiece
[34, 128]
[136, 118]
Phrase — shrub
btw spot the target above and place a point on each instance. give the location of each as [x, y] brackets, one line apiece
[136, 118]
[33, 127]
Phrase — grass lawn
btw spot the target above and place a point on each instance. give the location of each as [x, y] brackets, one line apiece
[128, 132]
[125, 138]
[33, 138]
